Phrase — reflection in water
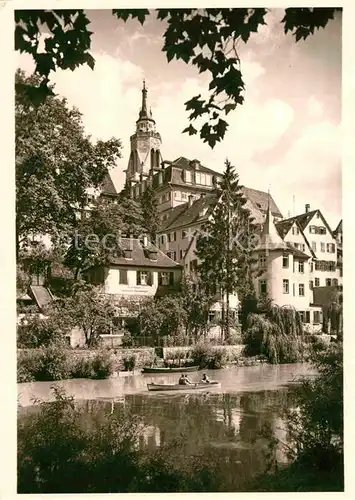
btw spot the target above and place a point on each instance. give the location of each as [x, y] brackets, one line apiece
[239, 428]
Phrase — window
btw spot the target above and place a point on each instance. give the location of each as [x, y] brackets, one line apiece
[301, 267]
[211, 316]
[322, 246]
[316, 317]
[144, 278]
[295, 230]
[181, 254]
[330, 247]
[307, 318]
[285, 286]
[321, 230]
[187, 176]
[183, 234]
[328, 282]
[177, 195]
[174, 236]
[311, 285]
[335, 282]
[312, 229]
[203, 179]
[285, 260]
[184, 196]
[302, 315]
[198, 178]
[302, 247]
[169, 238]
[311, 267]
[123, 277]
[293, 289]
[262, 287]
[301, 290]
[262, 261]
[314, 246]
[208, 180]
[193, 265]
[341, 272]
[165, 278]
[316, 281]
[317, 215]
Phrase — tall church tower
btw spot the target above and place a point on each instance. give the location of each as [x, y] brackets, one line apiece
[145, 156]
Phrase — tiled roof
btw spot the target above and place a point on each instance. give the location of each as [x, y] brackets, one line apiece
[260, 200]
[296, 252]
[107, 186]
[140, 256]
[284, 226]
[42, 296]
[184, 163]
[270, 239]
[183, 215]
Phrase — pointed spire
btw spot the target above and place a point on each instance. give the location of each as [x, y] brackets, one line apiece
[143, 113]
[270, 238]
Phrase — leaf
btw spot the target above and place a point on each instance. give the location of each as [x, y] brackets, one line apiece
[190, 129]
[89, 60]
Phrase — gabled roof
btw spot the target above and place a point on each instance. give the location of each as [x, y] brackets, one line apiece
[183, 215]
[284, 226]
[260, 200]
[140, 257]
[339, 228]
[296, 252]
[107, 186]
[304, 219]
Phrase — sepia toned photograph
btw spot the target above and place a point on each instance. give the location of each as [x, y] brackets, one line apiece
[179, 250]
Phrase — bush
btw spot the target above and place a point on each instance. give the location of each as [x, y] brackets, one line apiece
[205, 356]
[127, 340]
[129, 363]
[102, 365]
[28, 365]
[37, 332]
[83, 368]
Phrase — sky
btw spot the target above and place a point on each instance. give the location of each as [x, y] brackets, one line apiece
[285, 137]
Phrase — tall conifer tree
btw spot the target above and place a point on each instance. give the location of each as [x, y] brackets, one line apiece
[225, 246]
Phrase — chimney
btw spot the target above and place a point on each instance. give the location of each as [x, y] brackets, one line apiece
[191, 200]
[308, 206]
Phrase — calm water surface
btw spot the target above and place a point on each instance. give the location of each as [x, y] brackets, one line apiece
[232, 422]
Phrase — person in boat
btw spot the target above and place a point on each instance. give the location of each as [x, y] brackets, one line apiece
[205, 379]
[182, 379]
[187, 380]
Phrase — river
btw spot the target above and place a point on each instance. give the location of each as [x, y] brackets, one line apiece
[233, 421]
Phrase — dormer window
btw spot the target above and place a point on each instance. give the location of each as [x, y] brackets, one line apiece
[188, 176]
[127, 253]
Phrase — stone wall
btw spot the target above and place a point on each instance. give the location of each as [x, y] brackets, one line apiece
[233, 351]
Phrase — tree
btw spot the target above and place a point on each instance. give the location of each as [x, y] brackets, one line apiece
[225, 246]
[98, 235]
[196, 303]
[89, 310]
[204, 38]
[149, 205]
[55, 163]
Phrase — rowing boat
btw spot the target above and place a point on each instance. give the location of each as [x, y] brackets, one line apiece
[179, 387]
[162, 369]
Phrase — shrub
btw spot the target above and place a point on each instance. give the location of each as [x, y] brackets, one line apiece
[130, 363]
[28, 365]
[127, 340]
[83, 368]
[37, 332]
[55, 364]
[102, 365]
[205, 356]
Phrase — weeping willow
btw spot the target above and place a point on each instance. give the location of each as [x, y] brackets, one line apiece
[277, 333]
